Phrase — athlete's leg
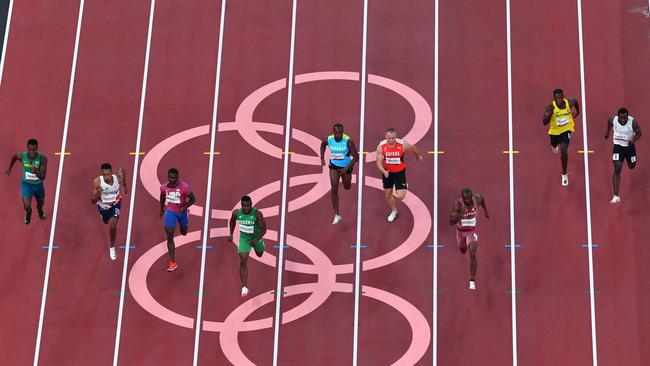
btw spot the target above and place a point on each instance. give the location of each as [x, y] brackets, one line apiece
[461, 242]
[112, 230]
[564, 155]
[27, 205]
[616, 177]
[473, 247]
[631, 160]
[401, 193]
[347, 181]
[243, 268]
[390, 199]
[259, 248]
[170, 242]
[334, 181]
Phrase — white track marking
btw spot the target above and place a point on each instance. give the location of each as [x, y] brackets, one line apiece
[134, 186]
[436, 148]
[4, 45]
[58, 185]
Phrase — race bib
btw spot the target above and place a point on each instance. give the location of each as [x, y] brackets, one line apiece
[247, 229]
[338, 156]
[31, 176]
[615, 157]
[561, 121]
[620, 137]
[468, 222]
[173, 198]
[109, 198]
[393, 161]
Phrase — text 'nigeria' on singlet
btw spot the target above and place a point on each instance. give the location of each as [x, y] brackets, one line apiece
[393, 155]
[623, 133]
[340, 151]
[468, 217]
[248, 223]
[561, 119]
[176, 197]
[27, 165]
[110, 192]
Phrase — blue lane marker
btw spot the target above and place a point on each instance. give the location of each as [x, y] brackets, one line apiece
[360, 246]
[53, 247]
[510, 246]
[201, 246]
[127, 246]
[281, 246]
[437, 246]
[587, 245]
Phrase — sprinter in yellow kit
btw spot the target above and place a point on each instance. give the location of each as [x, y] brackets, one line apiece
[560, 115]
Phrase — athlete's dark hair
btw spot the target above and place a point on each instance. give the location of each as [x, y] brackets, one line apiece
[246, 199]
[558, 91]
[33, 142]
[466, 192]
[622, 110]
[172, 171]
[390, 130]
[337, 125]
[107, 166]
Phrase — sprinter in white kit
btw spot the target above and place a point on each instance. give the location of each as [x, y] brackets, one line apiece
[107, 193]
[626, 133]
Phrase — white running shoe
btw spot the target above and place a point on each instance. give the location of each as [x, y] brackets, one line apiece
[555, 149]
[565, 180]
[392, 216]
[244, 291]
[113, 253]
[472, 285]
[615, 199]
[337, 219]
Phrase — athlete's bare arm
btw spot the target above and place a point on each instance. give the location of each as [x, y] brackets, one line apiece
[121, 178]
[262, 224]
[323, 145]
[96, 192]
[355, 156]
[481, 202]
[414, 150]
[42, 170]
[190, 202]
[548, 113]
[162, 204]
[456, 213]
[232, 223]
[14, 158]
[637, 131]
[610, 125]
[379, 160]
[575, 111]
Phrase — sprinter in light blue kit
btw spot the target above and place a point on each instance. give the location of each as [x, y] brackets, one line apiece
[344, 155]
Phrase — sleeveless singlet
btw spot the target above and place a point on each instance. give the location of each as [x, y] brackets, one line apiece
[623, 133]
[28, 176]
[110, 193]
[561, 120]
[393, 156]
[340, 151]
[468, 218]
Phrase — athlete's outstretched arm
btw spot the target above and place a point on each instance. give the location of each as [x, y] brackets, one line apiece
[42, 171]
[96, 191]
[262, 224]
[456, 213]
[323, 145]
[121, 177]
[610, 125]
[354, 152]
[232, 223]
[14, 159]
[637, 131]
[414, 150]
[190, 202]
[548, 113]
[162, 203]
[481, 201]
[573, 103]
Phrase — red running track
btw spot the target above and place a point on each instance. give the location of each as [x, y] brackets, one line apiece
[553, 324]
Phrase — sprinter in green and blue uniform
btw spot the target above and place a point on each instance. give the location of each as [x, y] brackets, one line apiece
[34, 166]
[252, 228]
[342, 159]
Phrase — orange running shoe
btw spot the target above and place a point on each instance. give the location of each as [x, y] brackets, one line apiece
[172, 266]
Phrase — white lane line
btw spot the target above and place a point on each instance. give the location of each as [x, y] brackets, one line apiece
[283, 212]
[55, 210]
[206, 211]
[592, 300]
[134, 185]
[511, 175]
[362, 118]
[4, 45]
[436, 147]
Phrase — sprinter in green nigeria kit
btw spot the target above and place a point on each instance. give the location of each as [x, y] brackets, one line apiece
[252, 228]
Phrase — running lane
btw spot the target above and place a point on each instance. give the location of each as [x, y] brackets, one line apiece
[253, 89]
[103, 127]
[33, 96]
[552, 276]
[328, 39]
[474, 326]
[395, 311]
[179, 98]
[616, 59]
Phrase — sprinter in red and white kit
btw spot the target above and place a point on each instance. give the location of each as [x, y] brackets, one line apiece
[464, 214]
[107, 193]
[390, 162]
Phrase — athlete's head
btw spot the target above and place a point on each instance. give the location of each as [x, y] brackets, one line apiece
[390, 136]
[338, 131]
[622, 115]
[107, 171]
[172, 176]
[246, 204]
[558, 95]
[32, 147]
[467, 196]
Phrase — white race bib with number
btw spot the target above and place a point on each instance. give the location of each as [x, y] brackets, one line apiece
[395, 161]
[615, 156]
[31, 176]
[109, 198]
[173, 198]
[468, 222]
[248, 229]
[561, 121]
[620, 137]
[338, 156]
